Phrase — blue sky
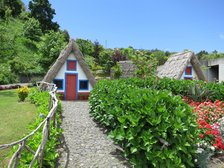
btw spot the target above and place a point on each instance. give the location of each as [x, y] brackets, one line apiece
[172, 25]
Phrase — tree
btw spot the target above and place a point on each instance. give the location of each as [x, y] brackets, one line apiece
[160, 56]
[145, 67]
[42, 11]
[7, 44]
[97, 49]
[105, 59]
[50, 48]
[86, 47]
[66, 35]
[201, 54]
[32, 29]
[15, 6]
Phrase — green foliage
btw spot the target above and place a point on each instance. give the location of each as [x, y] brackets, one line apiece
[145, 66]
[155, 128]
[66, 35]
[179, 87]
[6, 75]
[22, 93]
[14, 6]
[41, 99]
[105, 60]
[199, 93]
[85, 46]
[203, 55]
[98, 48]
[44, 13]
[7, 42]
[160, 56]
[116, 69]
[17, 52]
[50, 47]
[32, 29]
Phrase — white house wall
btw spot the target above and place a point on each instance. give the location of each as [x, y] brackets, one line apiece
[79, 71]
[193, 76]
[216, 62]
[221, 72]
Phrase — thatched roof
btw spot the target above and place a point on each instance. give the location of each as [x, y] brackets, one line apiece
[176, 64]
[72, 47]
[128, 68]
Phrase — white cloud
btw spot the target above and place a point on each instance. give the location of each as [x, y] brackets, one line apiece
[221, 36]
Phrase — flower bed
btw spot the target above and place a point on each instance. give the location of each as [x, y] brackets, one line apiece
[211, 126]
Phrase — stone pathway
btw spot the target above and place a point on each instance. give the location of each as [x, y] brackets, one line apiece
[87, 145]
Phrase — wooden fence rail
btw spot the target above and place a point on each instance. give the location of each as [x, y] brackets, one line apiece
[39, 153]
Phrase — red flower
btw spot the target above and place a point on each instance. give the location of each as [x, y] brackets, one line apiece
[201, 136]
[208, 132]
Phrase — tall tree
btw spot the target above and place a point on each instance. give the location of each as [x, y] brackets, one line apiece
[44, 13]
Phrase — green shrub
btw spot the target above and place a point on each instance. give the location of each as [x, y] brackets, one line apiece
[22, 93]
[178, 87]
[155, 128]
[117, 72]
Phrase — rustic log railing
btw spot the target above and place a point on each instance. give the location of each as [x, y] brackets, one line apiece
[39, 153]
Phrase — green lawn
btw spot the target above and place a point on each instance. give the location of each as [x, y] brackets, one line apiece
[14, 119]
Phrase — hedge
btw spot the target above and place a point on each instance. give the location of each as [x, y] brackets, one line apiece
[155, 128]
[177, 87]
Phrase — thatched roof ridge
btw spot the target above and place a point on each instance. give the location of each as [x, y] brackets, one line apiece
[71, 47]
[176, 64]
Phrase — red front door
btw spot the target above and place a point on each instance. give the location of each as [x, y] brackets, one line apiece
[70, 85]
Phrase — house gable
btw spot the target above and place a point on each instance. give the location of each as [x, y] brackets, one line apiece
[176, 65]
[70, 70]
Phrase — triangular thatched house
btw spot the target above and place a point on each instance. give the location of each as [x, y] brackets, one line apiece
[71, 74]
[183, 65]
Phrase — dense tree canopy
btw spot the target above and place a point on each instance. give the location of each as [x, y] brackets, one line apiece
[44, 13]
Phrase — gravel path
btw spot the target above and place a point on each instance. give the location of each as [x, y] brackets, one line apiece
[87, 145]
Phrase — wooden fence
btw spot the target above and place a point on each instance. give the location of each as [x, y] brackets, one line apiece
[39, 153]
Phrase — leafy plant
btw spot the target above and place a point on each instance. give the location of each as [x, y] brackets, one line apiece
[154, 128]
[199, 93]
[116, 69]
[22, 93]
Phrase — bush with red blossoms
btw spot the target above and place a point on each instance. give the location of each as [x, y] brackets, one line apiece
[209, 117]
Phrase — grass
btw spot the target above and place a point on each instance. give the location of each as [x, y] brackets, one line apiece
[14, 120]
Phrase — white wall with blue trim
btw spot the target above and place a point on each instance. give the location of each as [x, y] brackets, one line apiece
[81, 74]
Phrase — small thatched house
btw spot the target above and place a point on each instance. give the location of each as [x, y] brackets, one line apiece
[71, 74]
[182, 66]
